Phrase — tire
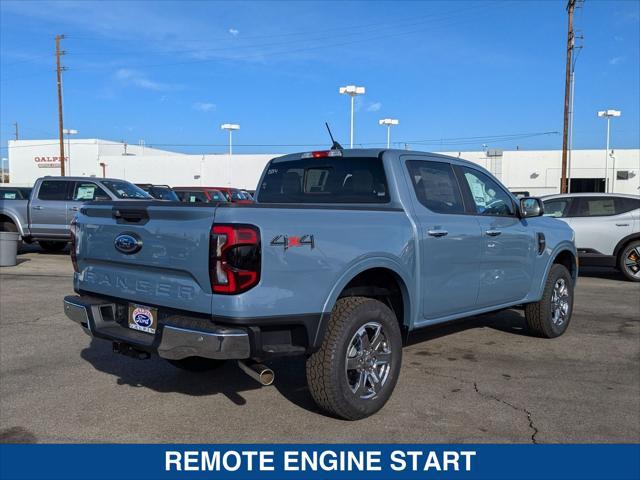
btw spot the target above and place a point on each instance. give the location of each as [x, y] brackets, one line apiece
[8, 227]
[550, 317]
[52, 245]
[196, 364]
[348, 393]
[629, 261]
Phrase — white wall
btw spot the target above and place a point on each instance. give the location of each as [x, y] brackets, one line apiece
[539, 171]
[535, 171]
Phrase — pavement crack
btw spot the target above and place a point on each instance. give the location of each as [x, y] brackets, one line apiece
[533, 428]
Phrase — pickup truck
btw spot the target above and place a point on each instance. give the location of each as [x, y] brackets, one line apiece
[343, 254]
[45, 216]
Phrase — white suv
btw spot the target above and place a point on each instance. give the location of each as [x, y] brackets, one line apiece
[607, 227]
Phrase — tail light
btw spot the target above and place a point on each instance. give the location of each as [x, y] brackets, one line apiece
[234, 258]
[73, 229]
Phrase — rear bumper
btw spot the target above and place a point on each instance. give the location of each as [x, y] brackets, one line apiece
[172, 340]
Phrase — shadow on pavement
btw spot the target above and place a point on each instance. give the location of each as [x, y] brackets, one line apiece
[601, 272]
[160, 376]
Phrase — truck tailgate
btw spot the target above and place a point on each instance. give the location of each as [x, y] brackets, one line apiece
[171, 267]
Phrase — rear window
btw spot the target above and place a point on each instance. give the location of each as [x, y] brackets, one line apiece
[325, 180]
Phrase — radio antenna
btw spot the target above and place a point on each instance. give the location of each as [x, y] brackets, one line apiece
[334, 145]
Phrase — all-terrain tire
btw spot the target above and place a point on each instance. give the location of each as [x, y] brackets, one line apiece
[327, 375]
[540, 317]
[629, 259]
[196, 364]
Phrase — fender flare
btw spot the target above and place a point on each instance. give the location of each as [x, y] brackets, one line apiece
[15, 221]
[350, 272]
[620, 245]
[564, 246]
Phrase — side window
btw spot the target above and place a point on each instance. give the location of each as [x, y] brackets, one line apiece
[489, 197]
[53, 190]
[558, 207]
[624, 205]
[88, 191]
[595, 207]
[436, 186]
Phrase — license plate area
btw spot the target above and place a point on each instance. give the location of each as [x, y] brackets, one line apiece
[143, 318]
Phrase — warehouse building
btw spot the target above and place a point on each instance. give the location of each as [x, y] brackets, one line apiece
[537, 172]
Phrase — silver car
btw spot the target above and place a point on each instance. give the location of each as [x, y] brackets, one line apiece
[607, 227]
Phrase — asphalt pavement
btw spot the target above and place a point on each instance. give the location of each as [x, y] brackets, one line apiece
[479, 380]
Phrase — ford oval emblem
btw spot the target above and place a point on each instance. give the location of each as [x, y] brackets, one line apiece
[128, 243]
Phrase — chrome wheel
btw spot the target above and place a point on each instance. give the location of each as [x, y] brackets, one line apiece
[368, 360]
[560, 302]
[632, 262]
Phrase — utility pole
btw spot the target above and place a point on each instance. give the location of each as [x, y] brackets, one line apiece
[563, 181]
[59, 70]
[15, 124]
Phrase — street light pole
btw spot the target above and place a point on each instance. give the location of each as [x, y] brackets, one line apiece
[388, 122]
[68, 132]
[230, 127]
[352, 91]
[608, 114]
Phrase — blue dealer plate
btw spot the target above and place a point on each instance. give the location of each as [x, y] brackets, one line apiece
[142, 318]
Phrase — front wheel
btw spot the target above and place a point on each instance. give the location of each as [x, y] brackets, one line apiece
[355, 370]
[629, 261]
[550, 316]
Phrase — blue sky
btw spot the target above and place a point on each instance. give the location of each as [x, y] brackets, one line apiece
[171, 73]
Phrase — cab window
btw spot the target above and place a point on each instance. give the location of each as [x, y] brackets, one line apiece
[88, 191]
[436, 186]
[53, 190]
[490, 198]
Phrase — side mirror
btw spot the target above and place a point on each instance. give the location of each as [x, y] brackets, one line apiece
[531, 207]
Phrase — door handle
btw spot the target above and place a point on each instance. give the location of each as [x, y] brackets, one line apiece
[37, 207]
[493, 233]
[622, 224]
[437, 233]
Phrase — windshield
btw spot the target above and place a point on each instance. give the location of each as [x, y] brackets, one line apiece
[122, 189]
[164, 193]
[237, 195]
[325, 180]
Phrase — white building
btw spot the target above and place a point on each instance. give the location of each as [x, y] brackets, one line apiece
[537, 172]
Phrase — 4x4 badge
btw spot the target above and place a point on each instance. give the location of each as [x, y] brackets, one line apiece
[289, 242]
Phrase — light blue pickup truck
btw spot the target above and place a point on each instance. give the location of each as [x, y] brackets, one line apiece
[343, 254]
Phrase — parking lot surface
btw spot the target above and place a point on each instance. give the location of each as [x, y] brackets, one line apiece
[479, 380]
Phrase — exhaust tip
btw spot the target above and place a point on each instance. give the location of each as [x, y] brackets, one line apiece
[267, 377]
[259, 372]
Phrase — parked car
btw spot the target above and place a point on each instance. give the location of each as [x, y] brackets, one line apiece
[607, 227]
[234, 195]
[200, 195]
[159, 192]
[343, 254]
[54, 201]
[14, 193]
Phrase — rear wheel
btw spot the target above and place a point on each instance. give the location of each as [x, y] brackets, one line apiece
[196, 364]
[550, 316]
[52, 245]
[355, 370]
[629, 261]
[8, 227]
